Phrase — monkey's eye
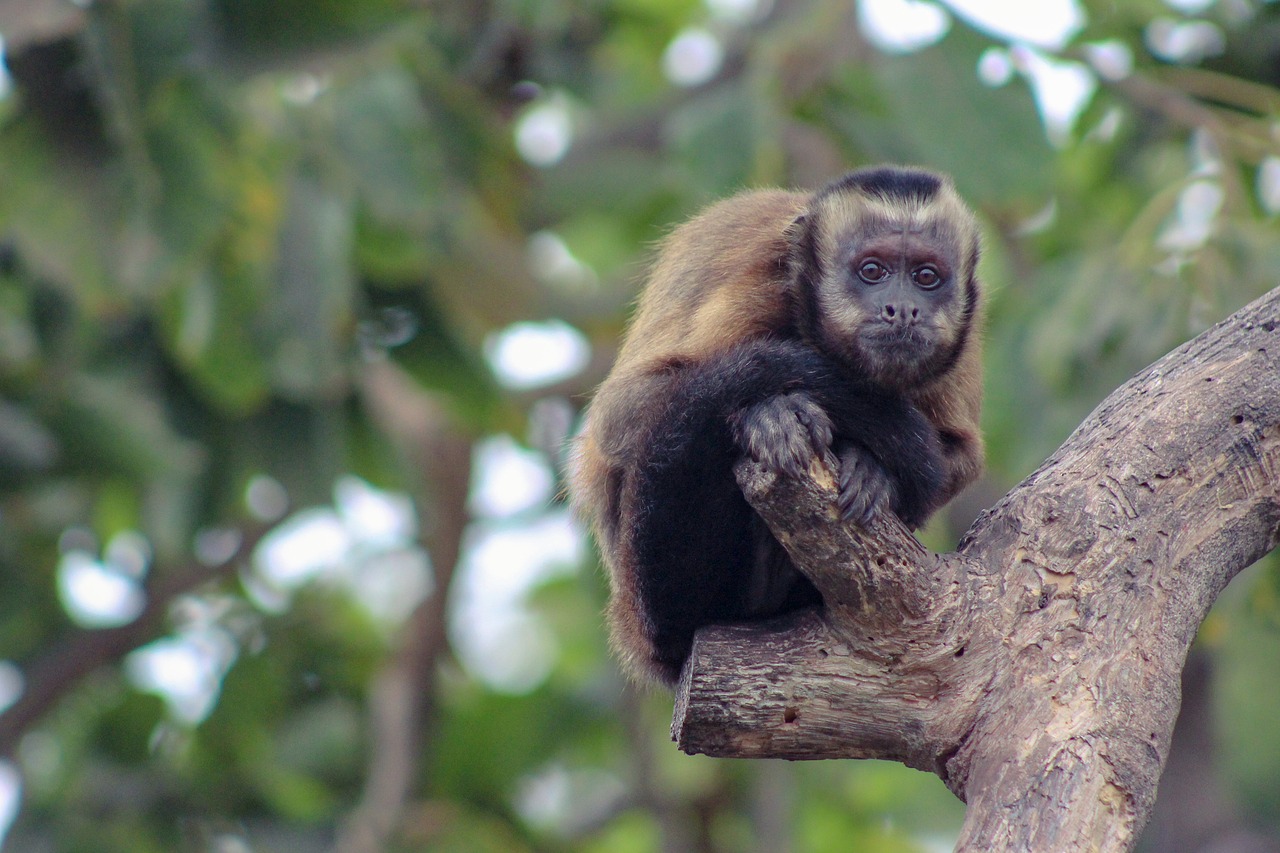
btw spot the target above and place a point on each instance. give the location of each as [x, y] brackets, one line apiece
[872, 272]
[927, 277]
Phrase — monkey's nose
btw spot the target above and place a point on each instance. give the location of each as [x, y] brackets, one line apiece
[893, 314]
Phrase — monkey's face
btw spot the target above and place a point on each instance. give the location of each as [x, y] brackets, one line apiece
[891, 300]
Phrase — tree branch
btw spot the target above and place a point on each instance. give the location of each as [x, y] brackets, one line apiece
[1036, 669]
[437, 453]
[83, 651]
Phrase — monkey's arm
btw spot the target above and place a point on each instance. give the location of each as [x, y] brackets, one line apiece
[715, 285]
[683, 547]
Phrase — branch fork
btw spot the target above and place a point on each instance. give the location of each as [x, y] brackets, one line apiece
[1037, 668]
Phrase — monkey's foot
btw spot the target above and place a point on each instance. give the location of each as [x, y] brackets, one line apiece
[784, 433]
[864, 486]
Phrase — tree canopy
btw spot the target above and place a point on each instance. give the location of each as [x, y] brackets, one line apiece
[299, 303]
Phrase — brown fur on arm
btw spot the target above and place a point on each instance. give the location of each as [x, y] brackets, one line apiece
[717, 281]
[953, 404]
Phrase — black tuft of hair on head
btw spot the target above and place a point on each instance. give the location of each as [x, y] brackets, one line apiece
[892, 183]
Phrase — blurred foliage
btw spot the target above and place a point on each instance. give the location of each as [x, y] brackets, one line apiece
[222, 221]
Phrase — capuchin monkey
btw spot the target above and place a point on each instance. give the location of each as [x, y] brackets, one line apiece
[782, 327]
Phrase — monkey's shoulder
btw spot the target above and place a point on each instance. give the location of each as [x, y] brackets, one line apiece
[739, 240]
[718, 279]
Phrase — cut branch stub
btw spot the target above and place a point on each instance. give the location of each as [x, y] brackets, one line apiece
[805, 692]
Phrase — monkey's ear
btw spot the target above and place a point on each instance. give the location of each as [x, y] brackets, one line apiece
[796, 263]
[795, 231]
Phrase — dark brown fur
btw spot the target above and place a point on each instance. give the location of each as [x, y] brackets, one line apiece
[733, 280]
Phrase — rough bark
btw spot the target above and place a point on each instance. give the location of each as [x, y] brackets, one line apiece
[1036, 669]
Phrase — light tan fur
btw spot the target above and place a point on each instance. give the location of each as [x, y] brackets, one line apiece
[952, 402]
[717, 281]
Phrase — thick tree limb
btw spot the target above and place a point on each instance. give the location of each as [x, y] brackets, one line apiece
[1035, 669]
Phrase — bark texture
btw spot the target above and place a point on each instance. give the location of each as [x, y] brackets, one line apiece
[1037, 668]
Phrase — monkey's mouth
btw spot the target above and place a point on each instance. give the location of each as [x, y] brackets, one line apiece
[897, 357]
[910, 342]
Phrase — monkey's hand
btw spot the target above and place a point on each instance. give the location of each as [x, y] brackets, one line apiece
[865, 488]
[784, 433]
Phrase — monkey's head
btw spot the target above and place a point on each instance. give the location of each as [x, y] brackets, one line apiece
[883, 271]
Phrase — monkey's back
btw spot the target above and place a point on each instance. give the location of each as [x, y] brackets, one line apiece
[718, 279]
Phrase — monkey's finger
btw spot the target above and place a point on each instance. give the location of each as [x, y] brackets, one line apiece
[817, 424]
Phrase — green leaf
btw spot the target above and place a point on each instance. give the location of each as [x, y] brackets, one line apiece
[716, 138]
[49, 211]
[26, 445]
[208, 324]
[196, 162]
[385, 137]
[107, 424]
[309, 319]
[270, 28]
[433, 354]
